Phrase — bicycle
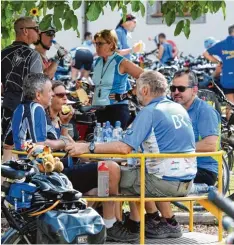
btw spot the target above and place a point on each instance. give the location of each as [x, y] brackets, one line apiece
[36, 206]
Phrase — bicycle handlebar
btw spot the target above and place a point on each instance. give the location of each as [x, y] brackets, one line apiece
[225, 204]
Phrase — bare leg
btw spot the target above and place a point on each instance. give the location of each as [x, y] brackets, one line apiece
[165, 209]
[86, 73]
[7, 154]
[134, 214]
[74, 73]
[150, 207]
[230, 97]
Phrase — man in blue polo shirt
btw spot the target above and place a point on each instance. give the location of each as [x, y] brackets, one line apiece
[225, 50]
[205, 120]
[162, 126]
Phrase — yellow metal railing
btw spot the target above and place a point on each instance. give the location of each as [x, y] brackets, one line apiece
[203, 200]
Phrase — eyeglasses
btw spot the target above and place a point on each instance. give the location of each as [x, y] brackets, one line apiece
[180, 88]
[99, 44]
[61, 95]
[35, 28]
[50, 33]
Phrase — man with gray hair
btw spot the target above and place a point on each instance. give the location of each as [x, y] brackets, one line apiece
[29, 118]
[162, 126]
[17, 61]
[205, 120]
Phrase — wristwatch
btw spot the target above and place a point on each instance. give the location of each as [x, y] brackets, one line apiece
[91, 147]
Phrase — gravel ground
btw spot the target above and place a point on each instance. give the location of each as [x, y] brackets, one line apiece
[207, 229]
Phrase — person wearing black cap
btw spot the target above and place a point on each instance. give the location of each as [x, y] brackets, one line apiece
[42, 45]
[122, 30]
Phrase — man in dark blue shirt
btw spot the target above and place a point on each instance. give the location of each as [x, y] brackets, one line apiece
[225, 50]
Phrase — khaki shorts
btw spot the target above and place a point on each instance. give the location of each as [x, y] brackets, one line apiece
[156, 187]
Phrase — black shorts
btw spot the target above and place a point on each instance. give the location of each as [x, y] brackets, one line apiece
[205, 176]
[83, 59]
[6, 123]
[228, 90]
[114, 113]
[84, 176]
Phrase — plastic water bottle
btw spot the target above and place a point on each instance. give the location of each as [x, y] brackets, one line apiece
[61, 49]
[117, 132]
[98, 133]
[103, 180]
[198, 188]
[104, 135]
[109, 132]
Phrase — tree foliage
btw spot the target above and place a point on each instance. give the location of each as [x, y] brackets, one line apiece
[64, 17]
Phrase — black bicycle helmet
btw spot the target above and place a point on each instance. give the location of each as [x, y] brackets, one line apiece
[54, 183]
[52, 29]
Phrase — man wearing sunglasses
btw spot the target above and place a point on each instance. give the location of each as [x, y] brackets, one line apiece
[43, 44]
[18, 59]
[205, 120]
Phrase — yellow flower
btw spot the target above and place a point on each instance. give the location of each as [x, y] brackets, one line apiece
[34, 12]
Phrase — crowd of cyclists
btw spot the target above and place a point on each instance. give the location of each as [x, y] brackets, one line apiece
[183, 123]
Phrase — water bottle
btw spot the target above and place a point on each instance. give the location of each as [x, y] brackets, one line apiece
[98, 133]
[117, 132]
[104, 135]
[103, 180]
[109, 132]
[62, 50]
[198, 188]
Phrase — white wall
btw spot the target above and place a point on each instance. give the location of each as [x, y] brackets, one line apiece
[215, 26]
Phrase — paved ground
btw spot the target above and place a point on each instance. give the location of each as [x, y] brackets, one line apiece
[187, 238]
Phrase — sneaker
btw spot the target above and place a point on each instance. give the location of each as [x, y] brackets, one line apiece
[118, 232]
[163, 230]
[132, 226]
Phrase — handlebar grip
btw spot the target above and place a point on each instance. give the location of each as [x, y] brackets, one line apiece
[225, 204]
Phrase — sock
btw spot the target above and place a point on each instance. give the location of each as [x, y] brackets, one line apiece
[172, 221]
[109, 222]
[154, 216]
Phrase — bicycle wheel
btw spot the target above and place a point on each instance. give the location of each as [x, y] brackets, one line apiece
[13, 237]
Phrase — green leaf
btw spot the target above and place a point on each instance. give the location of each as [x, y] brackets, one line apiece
[76, 4]
[112, 4]
[29, 5]
[202, 3]
[74, 22]
[67, 24]
[94, 11]
[187, 28]
[194, 12]
[16, 5]
[224, 9]
[170, 18]
[58, 11]
[50, 4]
[124, 10]
[57, 23]
[46, 22]
[142, 8]
[135, 5]
[179, 27]
[151, 2]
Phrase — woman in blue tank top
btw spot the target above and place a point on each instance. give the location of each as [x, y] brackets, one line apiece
[111, 79]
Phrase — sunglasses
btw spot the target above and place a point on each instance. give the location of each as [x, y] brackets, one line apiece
[61, 95]
[99, 44]
[35, 28]
[49, 33]
[179, 88]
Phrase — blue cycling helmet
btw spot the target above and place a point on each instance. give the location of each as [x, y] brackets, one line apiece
[209, 42]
